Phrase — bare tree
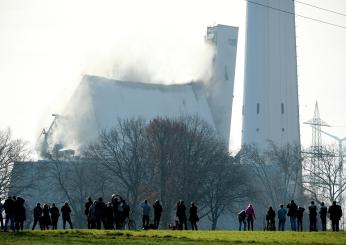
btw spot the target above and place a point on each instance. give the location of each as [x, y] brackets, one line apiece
[324, 178]
[74, 181]
[11, 150]
[186, 152]
[225, 187]
[121, 151]
[276, 172]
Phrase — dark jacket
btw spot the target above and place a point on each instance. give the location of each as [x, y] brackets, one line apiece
[9, 206]
[37, 212]
[300, 212]
[87, 206]
[312, 210]
[193, 214]
[292, 210]
[19, 209]
[181, 211]
[270, 215]
[157, 209]
[65, 211]
[45, 216]
[54, 212]
[323, 212]
[335, 212]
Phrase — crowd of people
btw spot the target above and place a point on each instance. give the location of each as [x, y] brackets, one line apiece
[47, 216]
[115, 214]
[112, 215]
[14, 213]
[295, 214]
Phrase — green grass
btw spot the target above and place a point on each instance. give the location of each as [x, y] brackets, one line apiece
[69, 237]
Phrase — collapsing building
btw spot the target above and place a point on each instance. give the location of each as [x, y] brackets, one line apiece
[98, 102]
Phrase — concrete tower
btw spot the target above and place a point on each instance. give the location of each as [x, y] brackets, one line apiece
[270, 110]
[220, 88]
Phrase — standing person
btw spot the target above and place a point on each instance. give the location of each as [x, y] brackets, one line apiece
[20, 213]
[313, 216]
[335, 213]
[292, 213]
[270, 217]
[92, 215]
[99, 213]
[46, 217]
[9, 212]
[146, 212]
[116, 199]
[109, 216]
[250, 213]
[181, 212]
[65, 212]
[242, 219]
[193, 216]
[157, 213]
[54, 214]
[37, 216]
[1, 217]
[282, 217]
[126, 213]
[323, 216]
[86, 211]
[300, 215]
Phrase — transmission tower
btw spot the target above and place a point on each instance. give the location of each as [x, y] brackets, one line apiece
[316, 150]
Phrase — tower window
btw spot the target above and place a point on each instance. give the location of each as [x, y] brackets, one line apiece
[258, 109]
[226, 74]
[282, 108]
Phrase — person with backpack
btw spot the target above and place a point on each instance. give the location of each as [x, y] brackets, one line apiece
[292, 213]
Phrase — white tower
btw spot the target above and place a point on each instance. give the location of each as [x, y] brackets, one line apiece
[270, 110]
[220, 89]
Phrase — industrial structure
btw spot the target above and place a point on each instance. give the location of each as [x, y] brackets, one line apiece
[99, 102]
[270, 109]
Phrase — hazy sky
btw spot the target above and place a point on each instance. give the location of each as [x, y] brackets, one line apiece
[46, 46]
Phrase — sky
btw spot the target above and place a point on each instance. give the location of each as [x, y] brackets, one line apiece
[47, 45]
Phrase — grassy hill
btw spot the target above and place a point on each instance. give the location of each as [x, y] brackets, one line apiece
[69, 237]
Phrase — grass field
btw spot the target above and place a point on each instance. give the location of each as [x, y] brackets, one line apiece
[69, 237]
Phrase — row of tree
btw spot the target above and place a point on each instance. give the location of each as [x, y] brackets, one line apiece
[173, 159]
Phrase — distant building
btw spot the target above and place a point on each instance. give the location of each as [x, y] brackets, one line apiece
[270, 110]
[99, 102]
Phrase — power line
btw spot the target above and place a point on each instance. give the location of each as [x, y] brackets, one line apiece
[294, 14]
[318, 7]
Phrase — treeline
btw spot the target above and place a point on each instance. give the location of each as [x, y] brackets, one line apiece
[169, 160]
